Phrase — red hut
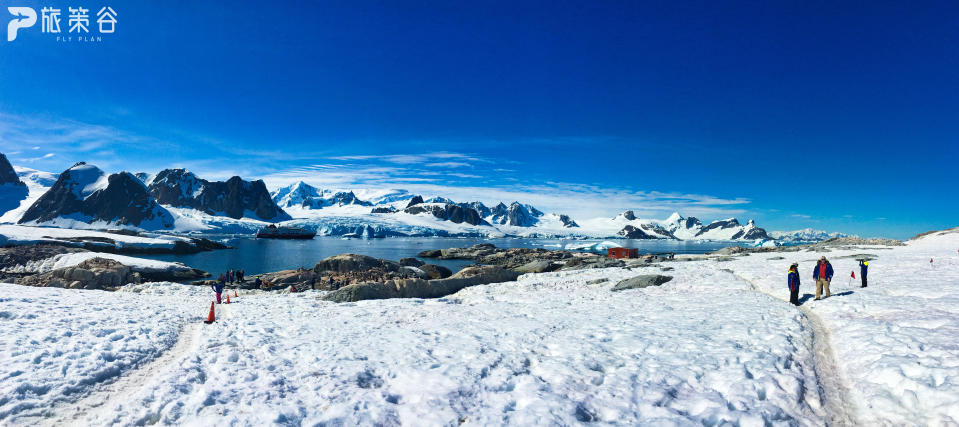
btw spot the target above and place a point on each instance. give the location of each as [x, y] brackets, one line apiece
[623, 252]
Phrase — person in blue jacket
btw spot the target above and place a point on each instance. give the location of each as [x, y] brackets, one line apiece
[218, 289]
[822, 273]
[792, 279]
[863, 269]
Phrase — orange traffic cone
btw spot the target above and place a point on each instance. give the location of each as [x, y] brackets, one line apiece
[212, 317]
[228, 298]
[234, 294]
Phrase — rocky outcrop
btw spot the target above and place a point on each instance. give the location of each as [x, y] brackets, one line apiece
[751, 232]
[94, 273]
[436, 271]
[628, 215]
[449, 212]
[420, 288]
[346, 263]
[720, 225]
[235, 198]
[644, 231]
[516, 215]
[382, 210]
[567, 221]
[642, 281]
[87, 194]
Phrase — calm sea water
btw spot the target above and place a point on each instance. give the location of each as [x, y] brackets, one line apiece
[264, 255]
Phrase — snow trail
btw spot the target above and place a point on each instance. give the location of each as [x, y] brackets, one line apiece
[94, 405]
[840, 411]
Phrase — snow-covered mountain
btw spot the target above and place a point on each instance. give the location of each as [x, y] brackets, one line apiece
[84, 194]
[304, 196]
[806, 235]
[178, 200]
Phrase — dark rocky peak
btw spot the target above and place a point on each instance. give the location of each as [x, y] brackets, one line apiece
[7, 174]
[691, 222]
[567, 221]
[629, 215]
[177, 187]
[234, 198]
[415, 201]
[448, 212]
[479, 207]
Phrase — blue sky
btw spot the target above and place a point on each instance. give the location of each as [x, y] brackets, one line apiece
[797, 114]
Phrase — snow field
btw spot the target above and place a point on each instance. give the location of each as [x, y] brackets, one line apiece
[894, 341]
[548, 349]
[59, 344]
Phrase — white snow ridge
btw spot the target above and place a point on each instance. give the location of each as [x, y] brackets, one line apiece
[717, 345]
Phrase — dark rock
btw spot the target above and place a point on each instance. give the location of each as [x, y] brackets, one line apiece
[415, 201]
[642, 282]
[596, 281]
[345, 263]
[411, 262]
[436, 271]
[419, 288]
[385, 210]
[629, 215]
[430, 253]
[449, 212]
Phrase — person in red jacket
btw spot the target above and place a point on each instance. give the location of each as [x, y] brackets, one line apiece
[793, 280]
[822, 273]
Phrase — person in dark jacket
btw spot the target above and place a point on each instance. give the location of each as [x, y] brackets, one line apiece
[257, 283]
[313, 283]
[863, 269]
[792, 279]
[218, 289]
[332, 288]
[822, 273]
[241, 276]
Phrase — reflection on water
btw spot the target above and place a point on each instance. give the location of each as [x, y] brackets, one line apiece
[264, 255]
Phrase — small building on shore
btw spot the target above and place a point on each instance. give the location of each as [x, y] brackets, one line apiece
[623, 252]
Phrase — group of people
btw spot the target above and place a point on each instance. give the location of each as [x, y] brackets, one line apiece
[822, 273]
[231, 277]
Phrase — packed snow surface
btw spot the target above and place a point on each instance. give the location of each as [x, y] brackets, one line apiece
[716, 345]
